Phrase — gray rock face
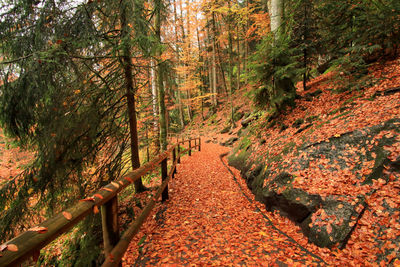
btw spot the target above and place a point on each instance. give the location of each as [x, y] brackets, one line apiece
[326, 221]
[333, 223]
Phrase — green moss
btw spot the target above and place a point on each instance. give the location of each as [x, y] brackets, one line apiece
[298, 122]
[212, 118]
[310, 119]
[274, 159]
[288, 148]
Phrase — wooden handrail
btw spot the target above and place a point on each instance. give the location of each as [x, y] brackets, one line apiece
[29, 243]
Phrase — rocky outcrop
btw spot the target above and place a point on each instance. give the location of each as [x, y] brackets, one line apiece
[329, 220]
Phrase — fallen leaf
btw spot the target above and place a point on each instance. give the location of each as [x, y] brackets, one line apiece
[129, 179]
[107, 189]
[95, 209]
[262, 233]
[111, 257]
[115, 184]
[39, 229]
[87, 199]
[98, 196]
[12, 247]
[329, 229]
[67, 215]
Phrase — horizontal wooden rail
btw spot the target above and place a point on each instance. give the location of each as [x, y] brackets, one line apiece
[29, 243]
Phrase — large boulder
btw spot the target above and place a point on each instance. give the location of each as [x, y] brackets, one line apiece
[327, 220]
[333, 223]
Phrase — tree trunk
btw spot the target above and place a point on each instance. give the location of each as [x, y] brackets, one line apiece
[180, 107]
[160, 78]
[189, 100]
[126, 61]
[276, 12]
[189, 109]
[246, 45]
[230, 71]
[154, 95]
[305, 37]
[213, 68]
[218, 50]
[238, 59]
[202, 70]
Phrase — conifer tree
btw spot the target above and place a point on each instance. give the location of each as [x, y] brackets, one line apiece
[63, 97]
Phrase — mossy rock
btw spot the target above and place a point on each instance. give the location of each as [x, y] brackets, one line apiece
[237, 116]
[333, 223]
[255, 176]
[238, 158]
[298, 123]
[296, 207]
[293, 203]
[226, 129]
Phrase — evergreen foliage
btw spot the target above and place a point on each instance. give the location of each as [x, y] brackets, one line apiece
[347, 35]
[63, 96]
[274, 69]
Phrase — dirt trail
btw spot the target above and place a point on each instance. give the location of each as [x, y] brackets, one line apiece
[208, 221]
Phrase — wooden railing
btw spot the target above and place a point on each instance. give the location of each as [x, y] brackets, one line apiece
[29, 243]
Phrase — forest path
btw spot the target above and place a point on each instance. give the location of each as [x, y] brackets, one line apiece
[209, 221]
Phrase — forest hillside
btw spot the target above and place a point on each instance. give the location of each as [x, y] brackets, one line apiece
[331, 164]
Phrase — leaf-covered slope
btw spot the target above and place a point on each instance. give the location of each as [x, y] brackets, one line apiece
[332, 165]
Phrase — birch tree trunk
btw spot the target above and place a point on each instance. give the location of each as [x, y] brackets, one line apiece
[275, 8]
[154, 95]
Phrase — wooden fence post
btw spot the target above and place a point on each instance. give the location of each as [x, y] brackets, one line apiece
[179, 153]
[173, 161]
[164, 176]
[190, 147]
[199, 144]
[109, 220]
